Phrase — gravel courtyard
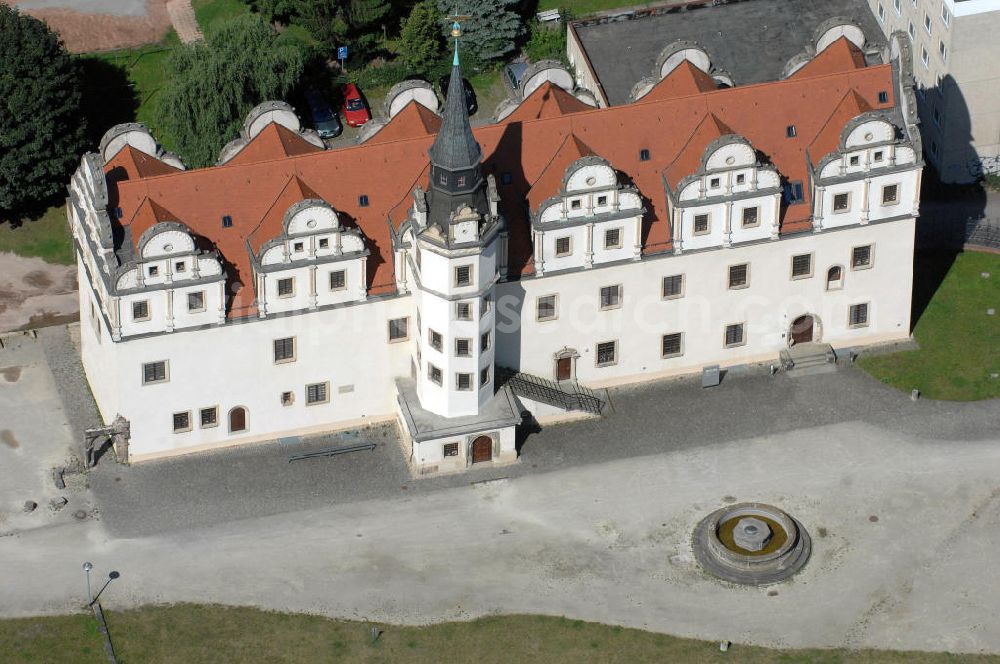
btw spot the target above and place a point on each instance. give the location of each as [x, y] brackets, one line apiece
[901, 499]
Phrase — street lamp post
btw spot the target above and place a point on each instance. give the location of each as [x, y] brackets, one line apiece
[86, 568]
[111, 577]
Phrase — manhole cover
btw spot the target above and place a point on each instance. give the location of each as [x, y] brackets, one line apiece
[80, 515]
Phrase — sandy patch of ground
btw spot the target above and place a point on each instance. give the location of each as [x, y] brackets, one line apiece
[84, 32]
[34, 293]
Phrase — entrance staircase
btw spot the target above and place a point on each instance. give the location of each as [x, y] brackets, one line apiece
[566, 395]
[808, 356]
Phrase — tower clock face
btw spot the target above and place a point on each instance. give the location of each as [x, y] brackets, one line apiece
[465, 231]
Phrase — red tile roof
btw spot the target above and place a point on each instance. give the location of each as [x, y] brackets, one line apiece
[414, 120]
[273, 142]
[527, 150]
[689, 158]
[841, 55]
[547, 101]
[685, 79]
[132, 164]
[828, 138]
[549, 181]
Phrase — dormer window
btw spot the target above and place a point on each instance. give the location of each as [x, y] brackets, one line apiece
[883, 97]
[790, 131]
[227, 221]
[363, 200]
[793, 193]
[644, 155]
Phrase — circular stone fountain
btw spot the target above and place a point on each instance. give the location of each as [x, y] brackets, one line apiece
[751, 543]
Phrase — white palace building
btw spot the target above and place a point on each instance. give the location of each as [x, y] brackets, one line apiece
[292, 290]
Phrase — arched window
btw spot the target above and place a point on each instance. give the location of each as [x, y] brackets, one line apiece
[835, 278]
[237, 419]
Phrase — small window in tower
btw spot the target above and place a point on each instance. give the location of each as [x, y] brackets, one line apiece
[363, 200]
[461, 181]
[227, 221]
[463, 381]
[790, 131]
[463, 310]
[463, 275]
[644, 154]
[443, 179]
[463, 347]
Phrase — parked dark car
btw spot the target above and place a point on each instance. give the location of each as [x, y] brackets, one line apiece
[470, 94]
[321, 114]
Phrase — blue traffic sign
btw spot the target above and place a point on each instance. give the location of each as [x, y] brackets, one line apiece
[341, 52]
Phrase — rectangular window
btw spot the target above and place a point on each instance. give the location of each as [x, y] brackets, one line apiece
[460, 181]
[153, 270]
[284, 350]
[485, 305]
[484, 342]
[855, 160]
[734, 335]
[701, 225]
[739, 275]
[484, 376]
[611, 297]
[209, 417]
[602, 201]
[563, 247]
[154, 372]
[324, 242]
[613, 238]
[546, 308]
[434, 373]
[790, 131]
[182, 421]
[945, 16]
[451, 449]
[575, 204]
[793, 193]
[227, 221]
[317, 393]
[912, 31]
[607, 353]
[943, 50]
[286, 287]
[180, 266]
[363, 200]
[924, 57]
[463, 347]
[644, 155]
[463, 275]
[858, 316]
[927, 23]
[673, 286]
[463, 311]
[841, 202]
[714, 183]
[140, 310]
[672, 344]
[338, 280]
[741, 178]
[877, 156]
[802, 266]
[196, 301]
[890, 194]
[399, 329]
[751, 217]
[434, 338]
[463, 382]
[287, 398]
[298, 246]
[861, 257]
[895, 5]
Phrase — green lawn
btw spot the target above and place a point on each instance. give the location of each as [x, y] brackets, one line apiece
[959, 342]
[47, 237]
[209, 12]
[193, 634]
[580, 8]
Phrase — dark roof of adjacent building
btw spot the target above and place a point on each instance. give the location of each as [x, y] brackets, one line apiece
[753, 40]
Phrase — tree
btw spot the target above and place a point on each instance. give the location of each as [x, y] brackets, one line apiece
[546, 42]
[493, 27]
[366, 19]
[419, 44]
[42, 129]
[215, 84]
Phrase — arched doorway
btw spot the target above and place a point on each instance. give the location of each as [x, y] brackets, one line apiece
[482, 449]
[238, 419]
[565, 364]
[802, 331]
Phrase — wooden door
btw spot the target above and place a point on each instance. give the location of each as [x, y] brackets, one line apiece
[564, 368]
[482, 449]
[802, 330]
[238, 419]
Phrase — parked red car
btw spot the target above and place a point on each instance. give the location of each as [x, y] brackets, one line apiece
[355, 109]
